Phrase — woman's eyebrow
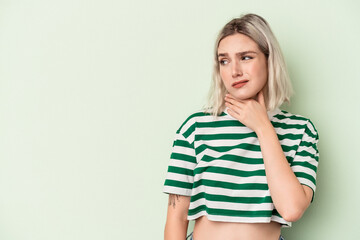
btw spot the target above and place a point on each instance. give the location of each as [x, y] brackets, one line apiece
[245, 52]
[222, 55]
[239, 53]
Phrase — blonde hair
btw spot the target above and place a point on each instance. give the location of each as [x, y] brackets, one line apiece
[278, 88]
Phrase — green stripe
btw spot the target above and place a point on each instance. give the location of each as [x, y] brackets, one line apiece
[305, 175]
[276, 213]
[311, 134]
[182, 143]
[233, 158]
[307, 154]
[239, 159]
[308, 144]
[230, 213]
[223, 136]
[189, 131]
[317, 134]
[224, 123]
[287, 149]
[184, 157]
[229, 171]
[233, 186]
[222, 198]
[180, 170]
[244, 146]
[289, 159]
[174, 183]
[304, 164]
[197, 114]
[287, 125]
[290, 136]
[293, 117]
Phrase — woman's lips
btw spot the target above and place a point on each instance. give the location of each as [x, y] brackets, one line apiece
[239, 84]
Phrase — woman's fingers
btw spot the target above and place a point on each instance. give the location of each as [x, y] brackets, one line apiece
[234, 113]
[250, 112]
[230, 99]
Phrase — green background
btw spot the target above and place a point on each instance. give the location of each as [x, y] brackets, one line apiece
[92, 92]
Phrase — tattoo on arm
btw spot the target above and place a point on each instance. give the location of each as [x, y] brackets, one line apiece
[172, 199]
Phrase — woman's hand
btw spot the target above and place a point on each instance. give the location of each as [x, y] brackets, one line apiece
[252, 113]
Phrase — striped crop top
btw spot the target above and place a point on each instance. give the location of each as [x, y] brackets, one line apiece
[218, 162]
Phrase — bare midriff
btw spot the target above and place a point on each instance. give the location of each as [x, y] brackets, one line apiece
[210, 230]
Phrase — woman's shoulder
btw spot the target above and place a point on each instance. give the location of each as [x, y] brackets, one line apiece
[286, 115]
[293, 120]
[201, 115]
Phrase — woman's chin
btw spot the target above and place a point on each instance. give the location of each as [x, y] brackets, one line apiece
[243, 98]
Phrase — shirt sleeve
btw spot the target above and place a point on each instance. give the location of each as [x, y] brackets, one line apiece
[306, 159]
[180, 175]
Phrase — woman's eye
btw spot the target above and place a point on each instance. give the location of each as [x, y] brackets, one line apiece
[223, 62]
[246, 58]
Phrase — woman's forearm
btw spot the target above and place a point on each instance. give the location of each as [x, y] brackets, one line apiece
[176, 221]
[288, 195]
[176, 229]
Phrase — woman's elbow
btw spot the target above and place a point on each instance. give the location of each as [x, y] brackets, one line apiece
[293, 215]
[295, 210]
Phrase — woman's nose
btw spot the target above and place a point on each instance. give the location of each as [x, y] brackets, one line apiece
[236, 69]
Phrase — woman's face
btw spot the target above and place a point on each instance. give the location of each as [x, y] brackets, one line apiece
[243, 67]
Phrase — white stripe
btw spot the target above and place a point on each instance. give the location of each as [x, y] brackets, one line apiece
[243, 130]
[307, 138]
[294, 131]
[290, 122]
[310, 150]
[176, 190]
[302, 169]
[184, 150]
[307, 182]
[210, 118]
[234, 142]
[311, 128]
[220, 130]
[228, 142]
[179, 177]
[182, 164]
[219, 218]
[232, 206]
[187, 125]
[231, 165]
[229, 178]
[289, 142]
[230, 192]
[239, 152]
[280, 220]
[191, 137]
[311, 160]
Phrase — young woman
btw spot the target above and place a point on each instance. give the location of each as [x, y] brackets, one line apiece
[242, 168]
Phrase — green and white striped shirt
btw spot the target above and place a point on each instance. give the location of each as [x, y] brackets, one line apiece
[218, 162]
